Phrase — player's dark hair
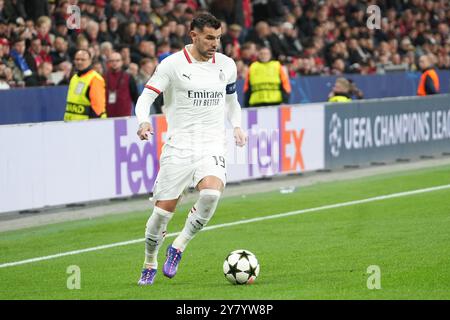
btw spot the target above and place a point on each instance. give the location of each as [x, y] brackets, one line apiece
[205, 20]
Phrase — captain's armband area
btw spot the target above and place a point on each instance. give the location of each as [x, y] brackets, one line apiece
[231, 88]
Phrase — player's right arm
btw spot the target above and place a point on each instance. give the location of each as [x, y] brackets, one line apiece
[159, 82]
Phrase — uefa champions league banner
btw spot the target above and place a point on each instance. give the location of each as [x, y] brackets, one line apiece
[386, 130]
[57, 163]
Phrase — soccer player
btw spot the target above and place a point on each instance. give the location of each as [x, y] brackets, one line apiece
[199, 88]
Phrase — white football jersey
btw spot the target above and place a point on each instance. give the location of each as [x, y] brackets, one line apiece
[194, 98]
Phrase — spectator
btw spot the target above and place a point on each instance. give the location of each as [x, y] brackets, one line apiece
[103, 34]
[42, 76]
[98, 67]
[264, 37]
[88, 8]
[338, 67]
[100, 10]
[147, 67]
[146, 49]
[106, 49]
[429, 80]
[4, 85]
[65, 69]
[86, 93]
[136, 13]
[36, 8]
[124, 15]
[290, 33]
[59, 52]
[126, 56]
[241, 69]
[158, 14]
[11, 11]
[113, 8]
[92, 32]
[230, 42]
[33, 55]
[181, 35]
[341, 91]
[4, 30]
[43, 26]
[248, 53]
[133, 70]
[164, 34]
[177, 13]
[129, 36]
[270, 10]
[113, 31]
[230, 11]
[356, 53]
[61, 30]
[306, 22]
[21, 70]
[266, 83]
[121, 89]
[4, 50]
[81, 44]
[164, 51]
[95, 51]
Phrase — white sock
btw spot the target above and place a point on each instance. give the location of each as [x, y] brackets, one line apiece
[200, 214]
[155, 233]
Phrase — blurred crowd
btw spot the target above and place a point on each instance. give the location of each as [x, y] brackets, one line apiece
[309, 37]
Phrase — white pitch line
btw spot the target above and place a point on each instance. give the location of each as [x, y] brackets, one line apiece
[239, 222]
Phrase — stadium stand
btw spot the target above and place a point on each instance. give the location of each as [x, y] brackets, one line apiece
[310, 37]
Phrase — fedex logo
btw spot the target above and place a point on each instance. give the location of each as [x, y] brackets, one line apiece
[263, 146]
[291, 156]
[274, 142]
[136, 164]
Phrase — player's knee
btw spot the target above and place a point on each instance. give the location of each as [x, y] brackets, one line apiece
[209, 196]
[209, 199]
[211, 183]
[167, 205]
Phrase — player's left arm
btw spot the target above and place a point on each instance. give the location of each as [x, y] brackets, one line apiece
[234, 109]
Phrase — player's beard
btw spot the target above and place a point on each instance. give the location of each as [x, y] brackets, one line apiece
[206, 54]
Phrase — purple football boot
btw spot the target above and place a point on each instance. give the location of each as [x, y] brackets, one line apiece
[147, 277]
[173, 257]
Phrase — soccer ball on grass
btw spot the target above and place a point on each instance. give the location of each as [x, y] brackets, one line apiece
[241, 267]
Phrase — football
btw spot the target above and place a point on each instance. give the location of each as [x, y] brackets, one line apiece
[241, 267]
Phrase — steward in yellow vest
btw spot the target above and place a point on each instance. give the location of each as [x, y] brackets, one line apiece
[86, 97]
[266, 84]
[341, 91]
[429, 80]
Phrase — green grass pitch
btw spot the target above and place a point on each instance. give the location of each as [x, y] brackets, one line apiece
[316, 255]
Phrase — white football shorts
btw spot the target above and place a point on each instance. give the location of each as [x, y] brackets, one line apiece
[180, 169]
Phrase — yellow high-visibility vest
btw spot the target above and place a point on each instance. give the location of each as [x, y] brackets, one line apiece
[339, 99]
[265, 83]
[78, 105]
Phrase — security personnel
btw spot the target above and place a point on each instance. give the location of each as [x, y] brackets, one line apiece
[429, 80]
[86, 97]
[341, 91]
[266, 83]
